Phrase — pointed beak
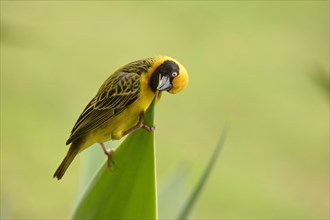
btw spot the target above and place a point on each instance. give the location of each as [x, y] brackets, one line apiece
[164, 83]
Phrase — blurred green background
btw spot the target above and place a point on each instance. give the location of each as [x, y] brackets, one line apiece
[263, 66]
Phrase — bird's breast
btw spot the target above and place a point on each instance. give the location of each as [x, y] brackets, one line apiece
[114, 128]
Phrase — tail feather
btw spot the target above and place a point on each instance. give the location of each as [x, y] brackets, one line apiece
[72, 153]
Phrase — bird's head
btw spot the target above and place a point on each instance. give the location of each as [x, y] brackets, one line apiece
[169, 75]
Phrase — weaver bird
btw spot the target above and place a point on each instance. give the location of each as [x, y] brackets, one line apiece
[119, 105]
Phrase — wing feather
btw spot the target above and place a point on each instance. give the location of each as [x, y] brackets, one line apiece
[114, 96]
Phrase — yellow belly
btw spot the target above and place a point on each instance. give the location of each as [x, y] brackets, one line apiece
[114, 128]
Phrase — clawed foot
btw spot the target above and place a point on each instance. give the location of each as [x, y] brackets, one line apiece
[108, 152]
[146, 127]
[139, 125]
[149, 129]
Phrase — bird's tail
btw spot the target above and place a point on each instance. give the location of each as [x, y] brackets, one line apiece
[72, 153]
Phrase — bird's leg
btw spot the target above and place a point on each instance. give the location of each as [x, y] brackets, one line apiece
[108, 152]
[146, 127]
[139, 125]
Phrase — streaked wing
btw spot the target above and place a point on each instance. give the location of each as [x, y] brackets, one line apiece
[115, 95]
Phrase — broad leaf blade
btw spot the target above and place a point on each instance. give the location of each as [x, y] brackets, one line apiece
[128, 191]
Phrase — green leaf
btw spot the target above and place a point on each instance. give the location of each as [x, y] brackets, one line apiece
[128, 191]
[197, 190]
[171, 194]
[321, 78]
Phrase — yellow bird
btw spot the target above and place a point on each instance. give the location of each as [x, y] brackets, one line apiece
[119, 105]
